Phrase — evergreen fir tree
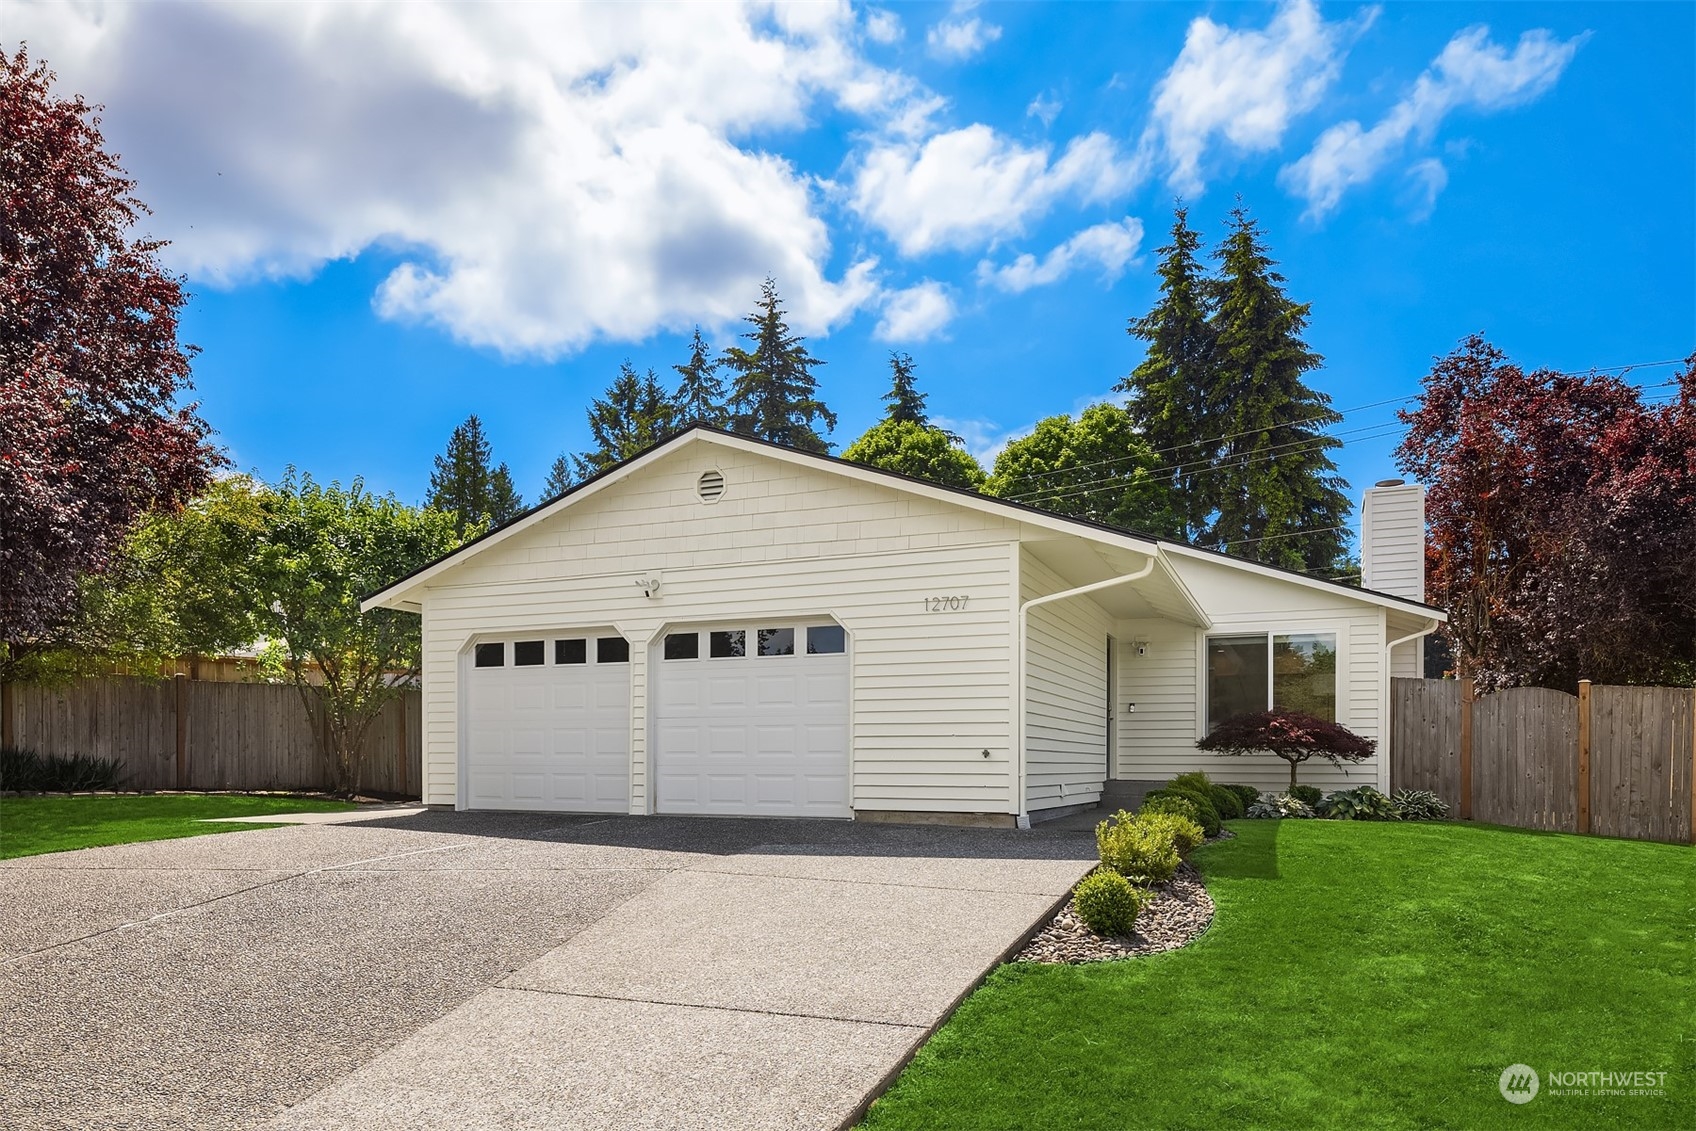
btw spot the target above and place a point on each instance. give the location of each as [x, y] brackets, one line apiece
[699, 398]
[560, 478]
[1173, 395]
[774, 395]
[1277, 495]
[635, 413]
[463, 482]
[906, 403]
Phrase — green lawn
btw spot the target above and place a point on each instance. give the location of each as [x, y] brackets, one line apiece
[1356, 975]
[33, 825]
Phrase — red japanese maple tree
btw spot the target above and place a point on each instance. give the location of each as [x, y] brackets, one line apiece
[91, 432]
[1562, 512]
[1291, 735]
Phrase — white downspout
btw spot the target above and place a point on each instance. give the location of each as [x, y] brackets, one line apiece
[1384, 716]
[1023, 819]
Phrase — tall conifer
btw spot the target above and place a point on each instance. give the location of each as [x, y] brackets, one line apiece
[774, 395]
[464, 482]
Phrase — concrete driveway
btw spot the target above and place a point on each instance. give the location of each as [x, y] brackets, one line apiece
[444, 970]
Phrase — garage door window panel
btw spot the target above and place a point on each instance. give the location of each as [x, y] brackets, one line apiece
[826, 640]
[683, 646]
[571, 651]
[612, 650]
[490, 655]
[730, 644]
[777, 641]
[528, 653]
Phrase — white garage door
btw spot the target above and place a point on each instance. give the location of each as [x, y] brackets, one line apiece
[548, 725]
[753, 719]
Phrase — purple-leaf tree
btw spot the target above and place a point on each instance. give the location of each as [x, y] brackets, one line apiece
[1290, 735]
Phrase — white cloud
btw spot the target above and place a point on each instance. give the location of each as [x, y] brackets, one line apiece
[1044, 109]
[1427, 180]
[1244, 86]
[960, 35]
[915, 313]
[1471, 72]
[966, 187]
[549, 176]
[1110, 246]
[883, 26]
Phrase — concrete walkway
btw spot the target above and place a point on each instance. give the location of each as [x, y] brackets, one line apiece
[454, 970]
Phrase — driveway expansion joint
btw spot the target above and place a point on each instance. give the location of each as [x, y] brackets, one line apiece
[918, 1028]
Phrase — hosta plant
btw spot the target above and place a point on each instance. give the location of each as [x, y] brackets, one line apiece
[1278, 806]
[1419, 805]
[1363, 803]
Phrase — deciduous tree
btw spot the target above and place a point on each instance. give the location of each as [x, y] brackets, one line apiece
[1289, 735]
[774, 395]
[917, 450]
[1562, 516]
[1093, 467]
[92, 434]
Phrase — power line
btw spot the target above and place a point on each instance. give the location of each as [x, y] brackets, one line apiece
[1619, 370]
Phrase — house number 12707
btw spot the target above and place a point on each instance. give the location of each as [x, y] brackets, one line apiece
[944, 604]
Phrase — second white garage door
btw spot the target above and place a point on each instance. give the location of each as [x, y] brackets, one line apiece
[752, 719]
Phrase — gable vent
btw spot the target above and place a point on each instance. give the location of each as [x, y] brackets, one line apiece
[710, 487]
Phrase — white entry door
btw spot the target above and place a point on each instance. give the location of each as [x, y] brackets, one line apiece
[548, 724]
[752, 719]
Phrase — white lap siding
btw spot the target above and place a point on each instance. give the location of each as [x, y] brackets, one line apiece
[1065, 693]
[1168, 682]
[930, 689]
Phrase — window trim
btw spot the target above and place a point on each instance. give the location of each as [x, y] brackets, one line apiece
[1337, 633]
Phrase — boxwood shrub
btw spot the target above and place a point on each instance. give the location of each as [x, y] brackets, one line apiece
[1307, 794]
[1162, 802]
[1205, 813]
[1107, 903]
[1228, 804]
[1247, 794]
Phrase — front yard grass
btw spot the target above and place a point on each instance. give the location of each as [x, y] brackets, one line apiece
[33, 825]
[1356, 975]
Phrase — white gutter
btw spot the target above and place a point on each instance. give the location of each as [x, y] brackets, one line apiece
[1024, 818]
[1384, 705]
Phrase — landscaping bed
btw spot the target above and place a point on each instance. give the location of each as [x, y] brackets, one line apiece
[1180, 911]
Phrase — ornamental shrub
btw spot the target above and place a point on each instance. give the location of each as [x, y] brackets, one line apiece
[1194, 780]
[1185, 834]
[1143, 852]
[1162, 802]
[1205, 813]
[1308, 794]
[1281, 806]
[1228, 804]
[1291, 735]
[1107, 903]
[24, 771]
[1247, 794]
[1419, 805]
[1363, 803]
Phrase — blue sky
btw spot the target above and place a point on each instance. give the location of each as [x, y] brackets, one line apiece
[392, 217]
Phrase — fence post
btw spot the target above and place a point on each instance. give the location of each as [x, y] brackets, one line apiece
[181, 683]
[1466, 748]
[1583, 755]
[1693, 765]
[8, 714]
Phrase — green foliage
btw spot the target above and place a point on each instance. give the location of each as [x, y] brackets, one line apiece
[560, 478]
[917, 450]
[25, 771]
[1307, 794]
[1273, 475]
[774, 395]
[1363, 803]
[1419, 805]
[464, 484]
[1143, 852]
[1108, 904]
[1247, 794]
[1281, 806]
[634, 414]
[699, 398]
[1195, 780]
[1228, 804]
[33, 825]
[906, 403]
[1171, 402]
[1205, 813]
[1162, 802]
[1095, 467]
[1185, 834]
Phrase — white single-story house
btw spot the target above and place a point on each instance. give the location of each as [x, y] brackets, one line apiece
[725, 626]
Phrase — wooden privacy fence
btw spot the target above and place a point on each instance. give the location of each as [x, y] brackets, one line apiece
[1616, 761]
[190, 734]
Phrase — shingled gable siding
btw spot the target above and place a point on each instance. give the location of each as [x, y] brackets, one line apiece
[1157, 740]
[930, 688]
[1065, 693]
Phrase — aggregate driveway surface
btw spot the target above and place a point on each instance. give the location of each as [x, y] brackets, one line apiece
[460, 970]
